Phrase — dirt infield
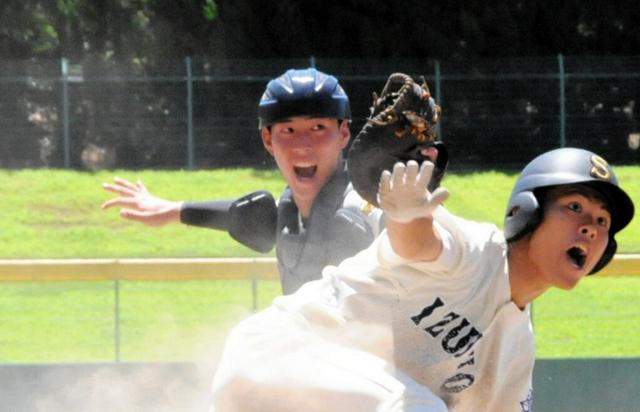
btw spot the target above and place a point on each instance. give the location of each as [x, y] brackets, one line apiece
[567, 385]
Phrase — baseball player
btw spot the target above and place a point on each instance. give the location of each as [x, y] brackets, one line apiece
[433, 316]
[319, 219]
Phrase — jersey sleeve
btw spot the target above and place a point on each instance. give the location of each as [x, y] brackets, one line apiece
[446, 263]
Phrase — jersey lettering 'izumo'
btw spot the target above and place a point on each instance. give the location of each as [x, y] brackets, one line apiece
[454, 332]
[456, 338]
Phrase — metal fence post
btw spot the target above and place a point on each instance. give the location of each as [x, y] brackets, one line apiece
[561, 74]
[190, 142]
[64, 66]
[254, 293]
[116, 319]
[438, 95]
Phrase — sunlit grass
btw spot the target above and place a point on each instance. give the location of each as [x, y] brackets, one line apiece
[188, 321]
[599, 318]
[56, 213]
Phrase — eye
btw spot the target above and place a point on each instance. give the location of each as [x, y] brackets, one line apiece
[318, 127]
[575, 206]
[602, 221]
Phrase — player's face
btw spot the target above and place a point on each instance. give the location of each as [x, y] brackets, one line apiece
[570, 240]
[307, 151]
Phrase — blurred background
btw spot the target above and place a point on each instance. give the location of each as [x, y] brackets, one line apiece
[175, 84]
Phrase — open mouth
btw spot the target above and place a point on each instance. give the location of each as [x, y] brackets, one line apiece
[577, 256]
[305, 171]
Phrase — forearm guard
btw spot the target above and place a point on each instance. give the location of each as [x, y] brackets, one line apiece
[251, 220]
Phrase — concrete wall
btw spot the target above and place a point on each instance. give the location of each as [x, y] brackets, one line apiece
[580, 385]
[584, 385]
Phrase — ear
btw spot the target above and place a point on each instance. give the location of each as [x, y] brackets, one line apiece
[345, 133]
[266, 140]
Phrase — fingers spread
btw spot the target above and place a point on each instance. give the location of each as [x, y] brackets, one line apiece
[141, 186]
[424, 177]
[125, 183]
[439, 196]
[411, 172]
[384, 187]
[385, 182]
[120, 202]
[397, 177]
[119, 190]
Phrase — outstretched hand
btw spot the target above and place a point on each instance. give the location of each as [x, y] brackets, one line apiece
[139, 205]
[403, 193]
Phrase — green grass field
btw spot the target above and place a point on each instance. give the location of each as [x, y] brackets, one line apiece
[55, 214]
[178, 321]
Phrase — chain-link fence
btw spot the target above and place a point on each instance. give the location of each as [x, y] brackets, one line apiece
[202, 113]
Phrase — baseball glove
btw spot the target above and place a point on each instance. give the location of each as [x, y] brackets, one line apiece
[402, 122]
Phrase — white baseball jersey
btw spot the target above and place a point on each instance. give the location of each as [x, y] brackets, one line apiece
[378, 333]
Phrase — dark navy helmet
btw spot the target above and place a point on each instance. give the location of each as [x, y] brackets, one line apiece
[560, 167]
[307, 92]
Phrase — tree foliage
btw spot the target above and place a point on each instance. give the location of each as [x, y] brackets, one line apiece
[137, 122]
[150, 30]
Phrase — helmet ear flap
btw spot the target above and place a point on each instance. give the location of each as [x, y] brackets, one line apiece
[522, 216]
[608, 254]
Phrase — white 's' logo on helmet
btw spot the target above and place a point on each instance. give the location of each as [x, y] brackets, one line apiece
[600, 168]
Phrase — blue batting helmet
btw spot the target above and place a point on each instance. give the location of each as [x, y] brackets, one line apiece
[307, 92]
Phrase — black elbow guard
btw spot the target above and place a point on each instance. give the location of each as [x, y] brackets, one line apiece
[253, 221]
